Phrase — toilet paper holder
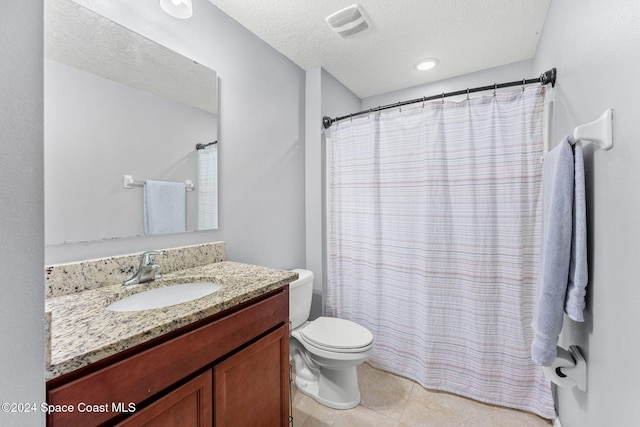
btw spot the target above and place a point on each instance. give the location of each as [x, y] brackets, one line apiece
[569, 369]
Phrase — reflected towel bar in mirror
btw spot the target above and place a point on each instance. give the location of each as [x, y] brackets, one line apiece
[129, 183]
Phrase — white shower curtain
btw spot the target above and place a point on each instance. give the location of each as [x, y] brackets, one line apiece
[434, 221]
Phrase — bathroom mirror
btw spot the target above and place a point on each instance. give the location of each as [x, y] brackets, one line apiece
[116, 104]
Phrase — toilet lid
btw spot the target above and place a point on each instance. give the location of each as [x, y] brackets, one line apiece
[336, 334]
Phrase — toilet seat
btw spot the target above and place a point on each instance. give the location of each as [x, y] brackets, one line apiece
[337, 335]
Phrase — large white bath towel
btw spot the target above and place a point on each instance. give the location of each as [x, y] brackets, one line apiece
[164, 207]
[562, 273]
[578, 273]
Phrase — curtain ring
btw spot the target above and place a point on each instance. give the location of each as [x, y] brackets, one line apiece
[443, 97]
[467, 94]
[524, 82]
[399, 108]
[351, 118]
[495, 88]
[424, 98]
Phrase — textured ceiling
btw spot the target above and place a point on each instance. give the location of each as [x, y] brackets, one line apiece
[81, 38]
[465, 35]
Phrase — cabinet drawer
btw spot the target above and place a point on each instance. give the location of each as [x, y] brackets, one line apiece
[147, 373]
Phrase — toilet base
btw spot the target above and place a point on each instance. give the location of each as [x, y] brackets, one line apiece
[334, 388]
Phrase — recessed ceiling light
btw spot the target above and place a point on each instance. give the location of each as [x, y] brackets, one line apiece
[426, 64]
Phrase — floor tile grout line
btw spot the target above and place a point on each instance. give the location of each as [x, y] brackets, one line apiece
[413, 386]
[398, 420]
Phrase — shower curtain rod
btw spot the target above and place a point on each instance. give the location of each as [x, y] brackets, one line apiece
[545, 78]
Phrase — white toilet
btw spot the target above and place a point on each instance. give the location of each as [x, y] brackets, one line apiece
[326, 351]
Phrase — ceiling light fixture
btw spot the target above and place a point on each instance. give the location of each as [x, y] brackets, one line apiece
[180, 9]
[426, 64]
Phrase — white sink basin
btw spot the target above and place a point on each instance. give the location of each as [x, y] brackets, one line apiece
[164, 297]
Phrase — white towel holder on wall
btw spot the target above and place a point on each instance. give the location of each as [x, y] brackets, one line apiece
[599, 131]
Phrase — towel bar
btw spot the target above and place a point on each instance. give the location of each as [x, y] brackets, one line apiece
[129, 183]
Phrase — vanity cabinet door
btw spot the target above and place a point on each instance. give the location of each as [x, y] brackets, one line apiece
[189, 405]
[251, 388]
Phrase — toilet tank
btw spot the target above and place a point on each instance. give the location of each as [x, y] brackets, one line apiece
[300, 294]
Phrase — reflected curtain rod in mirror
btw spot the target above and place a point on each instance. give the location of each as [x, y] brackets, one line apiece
[201, 146]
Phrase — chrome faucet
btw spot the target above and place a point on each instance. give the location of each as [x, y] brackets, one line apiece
[149, 269]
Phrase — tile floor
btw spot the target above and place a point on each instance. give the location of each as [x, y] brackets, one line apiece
[392, 401]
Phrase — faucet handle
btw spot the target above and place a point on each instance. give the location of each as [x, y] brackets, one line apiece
[148, 257]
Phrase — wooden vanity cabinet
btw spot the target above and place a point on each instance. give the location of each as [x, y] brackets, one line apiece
[230, 371]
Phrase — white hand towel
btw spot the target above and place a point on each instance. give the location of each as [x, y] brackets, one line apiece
[164, 207]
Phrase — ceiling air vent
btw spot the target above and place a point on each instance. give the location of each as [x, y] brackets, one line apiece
[348, 21]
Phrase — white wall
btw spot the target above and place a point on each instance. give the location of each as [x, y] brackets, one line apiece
[21, 210]
[314, 188]
[595, 46]
[326, 96]
[261, 137]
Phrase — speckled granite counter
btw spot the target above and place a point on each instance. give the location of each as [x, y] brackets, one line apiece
[71, 278]
[83, 331]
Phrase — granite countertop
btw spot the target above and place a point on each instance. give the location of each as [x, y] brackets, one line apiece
[83, 331]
